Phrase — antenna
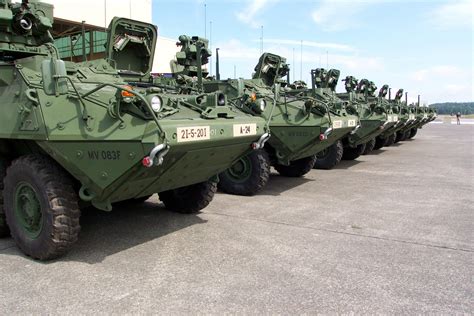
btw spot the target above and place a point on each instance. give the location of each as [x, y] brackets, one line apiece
[210, 47]
[301, 61]
[205, 20]
[294, 65]
[390, 94]
[235, 72]
[261, 40]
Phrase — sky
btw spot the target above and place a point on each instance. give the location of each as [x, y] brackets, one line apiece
[425, 47]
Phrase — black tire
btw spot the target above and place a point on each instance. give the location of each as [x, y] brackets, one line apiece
[406, 135]
[189, 199]
[399, 136]
[379, 142]
[55, 201]
[369, 147]
[246, 182]
[297, 168]
[351, 153]
[4, 231]
[390, 140]
[330, 157]
[413, 132]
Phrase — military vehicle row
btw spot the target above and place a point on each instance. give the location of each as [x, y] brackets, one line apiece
[104, 131]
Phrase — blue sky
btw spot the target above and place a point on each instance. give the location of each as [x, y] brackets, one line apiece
[425, 47]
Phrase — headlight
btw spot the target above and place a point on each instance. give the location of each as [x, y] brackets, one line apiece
[156, 103]
[263, 105]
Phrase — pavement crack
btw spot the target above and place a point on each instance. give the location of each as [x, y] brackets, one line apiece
[334, 231]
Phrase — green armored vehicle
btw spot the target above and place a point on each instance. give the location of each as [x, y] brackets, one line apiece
[372, 116]
[344, 118]
[73, 135]
[299, 125]
[388, 136]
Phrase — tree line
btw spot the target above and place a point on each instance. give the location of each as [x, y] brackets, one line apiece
[454, 107]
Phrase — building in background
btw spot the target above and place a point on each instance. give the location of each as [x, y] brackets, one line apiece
[97, 14]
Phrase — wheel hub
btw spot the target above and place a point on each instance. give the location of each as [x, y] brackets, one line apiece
[28, 210]
[241, 170]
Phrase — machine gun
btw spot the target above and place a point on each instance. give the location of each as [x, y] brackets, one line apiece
[351, 84]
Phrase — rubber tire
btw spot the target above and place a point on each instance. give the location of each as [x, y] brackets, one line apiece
[257, 180]
[379, 142]
[390, 140]
[332, 158]
[413, 132]
[351, 153]
[4, 231]
[369, 147]
[406, 135]
[59, 206]
[399, 137]
[189, 199]
[297, 168]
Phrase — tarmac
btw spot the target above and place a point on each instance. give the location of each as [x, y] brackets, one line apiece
[391, 232]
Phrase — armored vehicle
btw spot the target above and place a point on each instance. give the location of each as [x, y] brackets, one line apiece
[299, 124]
[372, 116]
[73, 135]
[388, 135]
[344, 118]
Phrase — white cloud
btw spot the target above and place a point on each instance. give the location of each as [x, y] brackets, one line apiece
[455, 14]
[254, 8]
[441, 71]
[338, 15]
[334, 46]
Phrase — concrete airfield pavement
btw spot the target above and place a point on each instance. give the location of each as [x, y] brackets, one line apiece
[391, 232]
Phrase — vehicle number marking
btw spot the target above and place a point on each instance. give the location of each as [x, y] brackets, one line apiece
[395, 118]
[245, 130]
[351, 123]
[104, 154]
[193, 133]
[425, 115]
[337, 124]
[412, 116]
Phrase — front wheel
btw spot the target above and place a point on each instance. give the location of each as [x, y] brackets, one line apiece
[413, 132]
[379, 142]
[351, 153]
[390, 140]
[369, 147]
[297, 168]
[189, 199]
[330, 157]
[247, 176]
[41, 207]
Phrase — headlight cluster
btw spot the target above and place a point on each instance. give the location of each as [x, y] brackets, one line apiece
[156, 103]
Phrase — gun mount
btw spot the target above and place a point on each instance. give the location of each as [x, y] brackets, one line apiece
[25, 28]
[271, 68]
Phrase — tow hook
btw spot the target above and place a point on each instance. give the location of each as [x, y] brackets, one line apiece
[156, 156]
[355, 129]
[326, 134]
[261, 142]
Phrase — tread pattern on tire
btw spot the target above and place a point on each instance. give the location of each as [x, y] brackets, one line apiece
[63, 207]
[413, 132]
[379, 142]
[390, 140]
[4, 231]
[351, 153]
[258, 180]
[369, 147]
[332, 158]
[190, 199]
[297, 168]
